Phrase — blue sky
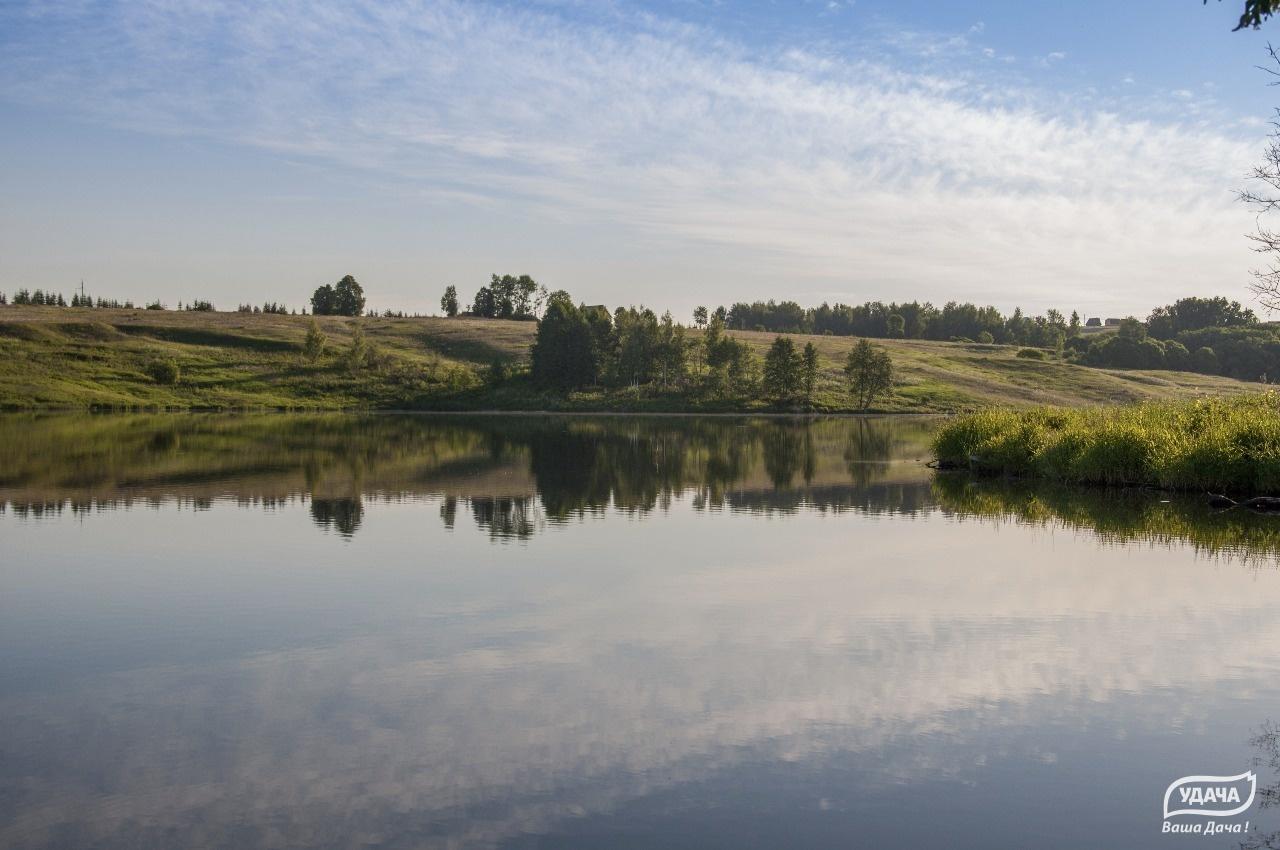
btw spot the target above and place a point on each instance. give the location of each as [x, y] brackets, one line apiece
[1074, 155]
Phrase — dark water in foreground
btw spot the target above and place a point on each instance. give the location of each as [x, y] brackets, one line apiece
[324, 631]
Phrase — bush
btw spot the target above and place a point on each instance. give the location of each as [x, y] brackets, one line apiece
[313, 345]
[164, 371]
[986, 338]
[1031, 353]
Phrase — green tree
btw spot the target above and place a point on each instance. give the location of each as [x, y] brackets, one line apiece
[700, 316]
[782, 368]
[809, 371]
[564, 353]
[449, 301]
[869, 371]
[313, 345]
[896, 326]
[348, 297]
[344, 299]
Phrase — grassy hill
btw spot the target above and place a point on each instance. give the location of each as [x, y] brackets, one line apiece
[82, 358]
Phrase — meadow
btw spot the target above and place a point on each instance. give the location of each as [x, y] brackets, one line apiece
[85, 358]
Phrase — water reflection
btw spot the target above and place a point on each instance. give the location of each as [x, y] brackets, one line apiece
[724, 632]
[516, 475]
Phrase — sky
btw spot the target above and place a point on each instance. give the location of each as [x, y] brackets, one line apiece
[1083, 156]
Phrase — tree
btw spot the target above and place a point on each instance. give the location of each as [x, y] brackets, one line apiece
[344, 299]
[809, 371]
[449, 301]
[869, 371]
[700, 316]
[564, 354]
[313, 345]
[348, 297]
[782, 368]
[896, 326]
[1255, 12]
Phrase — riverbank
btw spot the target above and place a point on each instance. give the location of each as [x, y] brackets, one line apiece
[1218, 445]
[79, 359]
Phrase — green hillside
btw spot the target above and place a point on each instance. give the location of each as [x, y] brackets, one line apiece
[83, 358]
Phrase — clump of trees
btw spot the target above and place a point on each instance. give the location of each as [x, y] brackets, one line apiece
[269, 307]
[197, 306]
[579, 346]
[1210, 336]
[869, 372]
[508, 297]
[40, 298]
[345, 298]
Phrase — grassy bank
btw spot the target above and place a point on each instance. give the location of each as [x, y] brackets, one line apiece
[1216, 445]
[67, 358]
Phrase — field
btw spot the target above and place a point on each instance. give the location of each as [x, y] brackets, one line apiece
[67, 358]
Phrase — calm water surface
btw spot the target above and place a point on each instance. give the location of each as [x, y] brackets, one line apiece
[404, 632]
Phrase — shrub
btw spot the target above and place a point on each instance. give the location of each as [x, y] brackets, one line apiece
[164, 371]
[986, 338]
[1031, 353]
[313, 345]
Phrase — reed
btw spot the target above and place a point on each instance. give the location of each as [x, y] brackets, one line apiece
[1221, 445]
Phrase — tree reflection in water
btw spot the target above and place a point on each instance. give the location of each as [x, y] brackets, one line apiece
[519, 475]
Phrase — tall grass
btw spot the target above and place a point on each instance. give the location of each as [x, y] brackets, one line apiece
[1215, 444]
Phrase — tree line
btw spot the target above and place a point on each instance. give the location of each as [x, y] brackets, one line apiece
[954, 321]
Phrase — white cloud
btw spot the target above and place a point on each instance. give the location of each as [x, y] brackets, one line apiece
[833, 171]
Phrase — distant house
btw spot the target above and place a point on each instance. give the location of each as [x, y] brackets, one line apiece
[1112, 323]
[1095, 322]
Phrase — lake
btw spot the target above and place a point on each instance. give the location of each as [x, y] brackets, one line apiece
[482, 631]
